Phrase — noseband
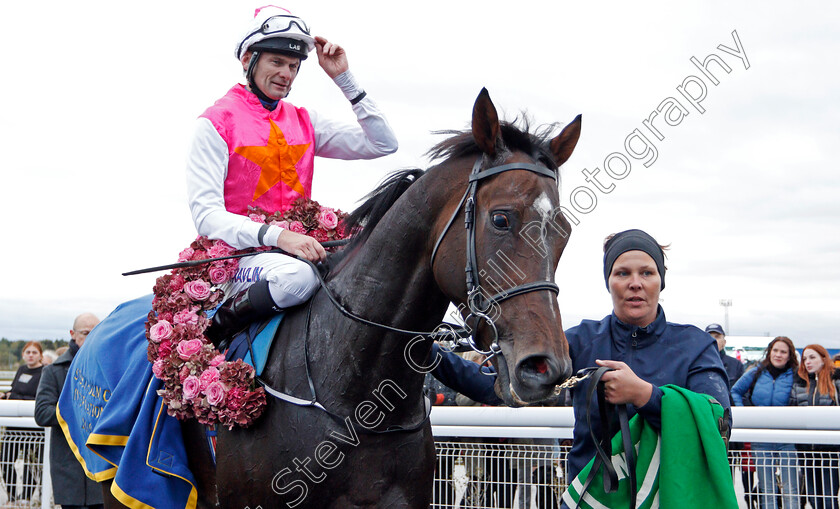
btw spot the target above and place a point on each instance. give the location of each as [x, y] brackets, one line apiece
[478, 304]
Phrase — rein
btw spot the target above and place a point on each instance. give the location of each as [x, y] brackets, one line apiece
[603, 446]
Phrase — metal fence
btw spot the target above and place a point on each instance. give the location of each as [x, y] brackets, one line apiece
[516, 458]
[499, 473]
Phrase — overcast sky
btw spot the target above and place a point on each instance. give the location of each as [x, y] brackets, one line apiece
[99, 99]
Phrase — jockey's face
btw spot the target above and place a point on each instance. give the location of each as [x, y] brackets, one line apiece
[275, 73]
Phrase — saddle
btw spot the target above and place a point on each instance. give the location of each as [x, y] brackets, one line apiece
[253, 344]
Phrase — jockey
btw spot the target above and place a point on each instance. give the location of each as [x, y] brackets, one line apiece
[252, 147]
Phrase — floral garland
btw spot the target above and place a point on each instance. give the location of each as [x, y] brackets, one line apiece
[197, 380]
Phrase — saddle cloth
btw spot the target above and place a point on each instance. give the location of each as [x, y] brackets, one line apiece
[115, 422]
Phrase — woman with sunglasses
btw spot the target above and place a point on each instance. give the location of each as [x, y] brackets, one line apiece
[254, 148]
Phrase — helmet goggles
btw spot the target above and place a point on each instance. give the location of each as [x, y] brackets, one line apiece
[279, 26]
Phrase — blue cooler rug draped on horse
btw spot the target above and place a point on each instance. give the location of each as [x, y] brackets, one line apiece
[114, 420]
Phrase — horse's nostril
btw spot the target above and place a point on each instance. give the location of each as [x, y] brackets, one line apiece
[537, 368]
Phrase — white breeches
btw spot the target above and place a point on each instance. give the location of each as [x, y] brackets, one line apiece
[290, 281]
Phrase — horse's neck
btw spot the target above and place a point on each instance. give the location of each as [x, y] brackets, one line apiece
[388, 281]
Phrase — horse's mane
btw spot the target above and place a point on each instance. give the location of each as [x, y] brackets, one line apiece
[361, 222]
[516, 138]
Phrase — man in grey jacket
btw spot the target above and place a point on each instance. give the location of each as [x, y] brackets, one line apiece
[72, 489]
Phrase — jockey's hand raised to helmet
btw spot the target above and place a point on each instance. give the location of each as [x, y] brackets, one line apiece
[331, 57]
[302, 246]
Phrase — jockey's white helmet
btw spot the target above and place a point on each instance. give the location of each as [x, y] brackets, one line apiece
[275, 29]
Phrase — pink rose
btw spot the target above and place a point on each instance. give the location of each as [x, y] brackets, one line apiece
[217, 360]
[297, 227]
[220, 249]
[192, 387]
[218, 275]
[257, 218]
[187, 316]
[215, 393]
[197, 290]
[188, 348]
[282, 224]
[209, 376]
[160, 331]
[157, 368]
[328, 219]
[186, 254]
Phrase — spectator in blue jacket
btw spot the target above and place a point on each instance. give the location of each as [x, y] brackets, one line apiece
[770, 384]
[644, 349]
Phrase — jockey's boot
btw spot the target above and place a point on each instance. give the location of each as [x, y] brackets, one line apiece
[239, 311]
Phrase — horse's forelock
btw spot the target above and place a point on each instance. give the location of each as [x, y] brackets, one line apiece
[517, 137]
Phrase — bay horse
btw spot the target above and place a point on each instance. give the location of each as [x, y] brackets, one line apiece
[368, 441]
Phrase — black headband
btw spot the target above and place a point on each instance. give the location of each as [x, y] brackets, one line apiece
[633, 240]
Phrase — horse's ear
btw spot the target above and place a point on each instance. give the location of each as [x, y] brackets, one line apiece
[564, 144]
[485, 123]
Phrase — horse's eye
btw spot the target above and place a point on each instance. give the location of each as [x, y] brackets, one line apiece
[501, 220]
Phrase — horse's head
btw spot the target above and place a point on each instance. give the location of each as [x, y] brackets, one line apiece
[510, 247]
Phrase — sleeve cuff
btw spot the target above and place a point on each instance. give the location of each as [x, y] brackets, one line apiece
[652, 410]
[348, 85]
[271, 236]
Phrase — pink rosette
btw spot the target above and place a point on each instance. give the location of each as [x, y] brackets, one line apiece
[297, 227]
[282, 224]
[192, 387]
[257, 218]
[209, 376]
[160, 331]
[218, 274]
[217, 360]
[186, 254]
[186, 316]
[215, 393]
[187, 348]
[158, 368]
[197, 290]
[328, 219]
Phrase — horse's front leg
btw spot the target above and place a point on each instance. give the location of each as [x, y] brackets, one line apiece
[201, 463]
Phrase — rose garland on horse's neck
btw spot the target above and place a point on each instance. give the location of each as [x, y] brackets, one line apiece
[197, 380]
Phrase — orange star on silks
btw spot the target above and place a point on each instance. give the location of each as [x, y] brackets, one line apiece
[277, 160]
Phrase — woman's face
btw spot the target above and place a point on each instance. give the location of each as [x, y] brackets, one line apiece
[812, 360]
[779, 354]
[32, 357]
[634, 287]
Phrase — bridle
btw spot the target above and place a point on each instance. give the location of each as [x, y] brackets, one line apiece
[478, 304]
